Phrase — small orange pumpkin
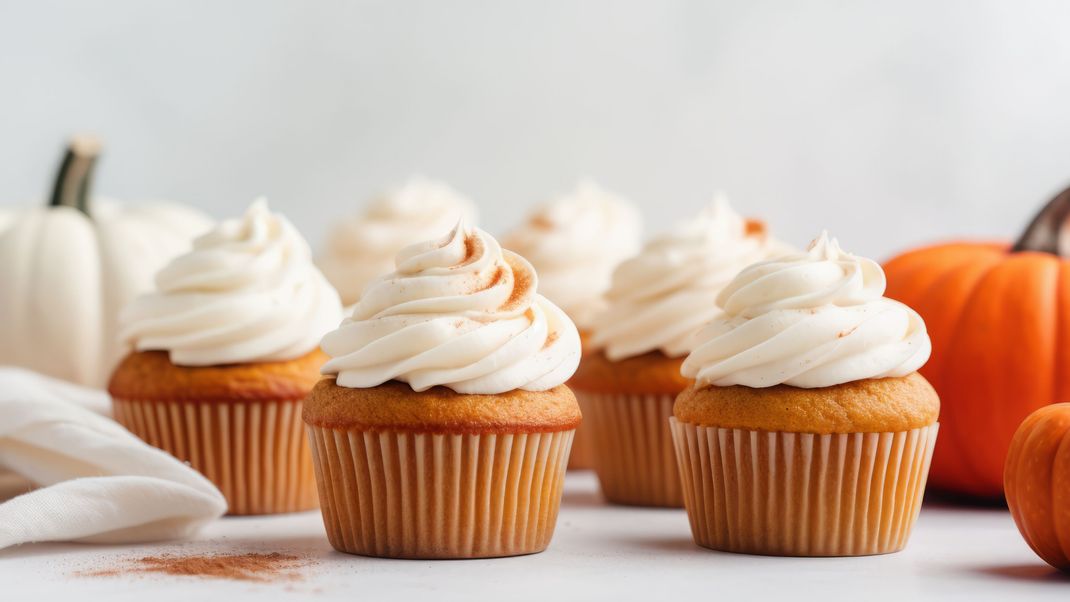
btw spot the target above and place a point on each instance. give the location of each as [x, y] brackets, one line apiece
[1037, 483]
[999, 319]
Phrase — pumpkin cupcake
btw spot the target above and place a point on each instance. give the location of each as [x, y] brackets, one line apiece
[574, 242]
[807, 431]
[362, 247]
[628, 381]
[444, 428]
[225, 349]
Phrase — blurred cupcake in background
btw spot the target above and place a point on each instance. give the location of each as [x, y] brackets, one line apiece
[225, 350]
[807, 430]
[574, 242]
[362, 247]
[629, 379]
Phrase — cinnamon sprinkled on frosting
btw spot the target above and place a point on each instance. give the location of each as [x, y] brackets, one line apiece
[813, 319]
[459, 312]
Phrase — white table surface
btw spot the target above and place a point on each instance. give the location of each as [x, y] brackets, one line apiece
[599, 552]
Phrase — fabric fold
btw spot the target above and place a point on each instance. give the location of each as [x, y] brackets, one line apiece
[98, 482]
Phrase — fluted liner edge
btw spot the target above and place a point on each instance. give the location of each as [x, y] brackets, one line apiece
[633, 451]
[582, 455]
[802, 494]
[422, 495]
[254, 452]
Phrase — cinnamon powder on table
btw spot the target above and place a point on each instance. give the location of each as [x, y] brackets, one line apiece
[270, 567]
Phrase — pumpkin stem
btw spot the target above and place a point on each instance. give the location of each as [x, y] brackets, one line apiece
[71, 188]
[1047, 233]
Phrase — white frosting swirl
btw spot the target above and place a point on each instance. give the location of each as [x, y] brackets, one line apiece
[574, 242]
[458, 312]
[362, 248]
[660, 298]
[246, 292]
[814, 319]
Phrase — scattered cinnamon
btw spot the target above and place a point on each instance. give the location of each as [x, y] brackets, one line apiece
[473, 250]
[269, 567]
[522, 283]
[550, 339]
[495, 280]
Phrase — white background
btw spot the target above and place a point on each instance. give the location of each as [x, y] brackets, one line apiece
[889, 123]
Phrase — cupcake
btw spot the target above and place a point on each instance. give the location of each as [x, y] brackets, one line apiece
[444, 426]
[362, 248]
[225, 349]
[807, 431]
[574, 242]
[628, 381]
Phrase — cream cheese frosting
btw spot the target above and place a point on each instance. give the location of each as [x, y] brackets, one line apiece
[814, 319]
[458, 312]
[661, 297]
[246, 292]
[362, 247]
[574, 242]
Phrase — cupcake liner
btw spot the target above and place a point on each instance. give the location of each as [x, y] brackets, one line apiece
[633, 450]
[582, 455]
[255, 452]
[802, 494]
[422, 495]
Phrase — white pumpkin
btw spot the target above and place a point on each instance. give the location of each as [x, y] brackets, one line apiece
[68, 269]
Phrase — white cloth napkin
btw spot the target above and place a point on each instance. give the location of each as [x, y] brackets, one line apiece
[99, 483]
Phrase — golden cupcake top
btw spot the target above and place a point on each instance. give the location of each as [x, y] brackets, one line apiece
[150, 376]
[652, 373]
[394, 406]
[866, 406]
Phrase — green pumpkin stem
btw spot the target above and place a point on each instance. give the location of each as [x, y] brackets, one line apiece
[75, 175]
[1046, 231]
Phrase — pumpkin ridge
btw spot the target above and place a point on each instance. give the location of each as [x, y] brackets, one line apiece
[24, 315]
[1037, 271]
[1037, 476]
[1064, 543]
[954, 314]
[1053, 540]
[1062, 334]
[1013, 472]
[107, 296]
[1026, 510]
[952, 439]
[1038, 432]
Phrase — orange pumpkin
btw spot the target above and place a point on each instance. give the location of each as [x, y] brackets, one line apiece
[999, 319]
[1037, 482]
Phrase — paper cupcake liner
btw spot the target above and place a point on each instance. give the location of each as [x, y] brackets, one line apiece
[801, 494]
[413, 495]
[633, 451]
[582, 455]
[255, 452]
